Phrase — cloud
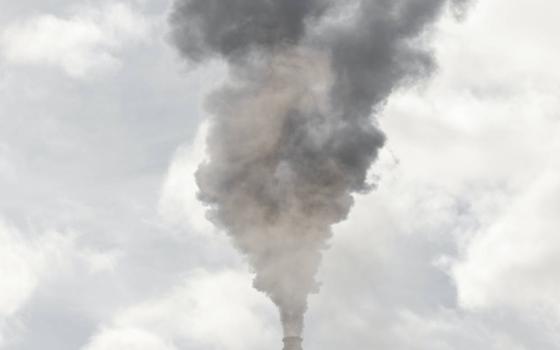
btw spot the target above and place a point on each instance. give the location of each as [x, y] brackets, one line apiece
[209, 310]
[28, 261]
[178, 203]
[494, 129]
[513, 262]
[85, 42]
[132, 339]
[24, 264]
[7, 166]
[446, 330]
[19, 277]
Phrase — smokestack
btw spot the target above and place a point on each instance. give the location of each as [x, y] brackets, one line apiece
[293, 133]
[292, 343]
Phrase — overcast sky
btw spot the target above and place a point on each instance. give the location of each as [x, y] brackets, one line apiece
[104, 246]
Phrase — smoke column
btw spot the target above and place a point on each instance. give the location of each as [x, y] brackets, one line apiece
[293, 131]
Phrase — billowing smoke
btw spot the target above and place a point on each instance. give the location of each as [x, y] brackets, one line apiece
[293, 131]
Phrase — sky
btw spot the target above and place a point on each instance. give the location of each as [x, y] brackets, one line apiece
[103, 244]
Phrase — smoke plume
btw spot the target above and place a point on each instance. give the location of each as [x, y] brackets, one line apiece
[293, 131]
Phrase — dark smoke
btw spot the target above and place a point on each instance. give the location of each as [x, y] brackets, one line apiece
[292, 133]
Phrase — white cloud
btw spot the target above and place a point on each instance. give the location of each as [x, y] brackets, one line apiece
[83, 43]
[130, 339]
[7, 167]
[19, 275]
[24, 263]
[486, 130]
[100, 261]
[210, 310]
[178, 203]
[514, 262]
[28, 260]
[446, 330]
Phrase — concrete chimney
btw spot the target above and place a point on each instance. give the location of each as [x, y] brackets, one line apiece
[292, 343]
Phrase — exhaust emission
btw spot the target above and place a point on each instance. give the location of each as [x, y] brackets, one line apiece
[292, 343]
[293, 132]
